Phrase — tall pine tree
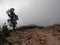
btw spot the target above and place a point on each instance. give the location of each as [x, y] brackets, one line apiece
[13, 18]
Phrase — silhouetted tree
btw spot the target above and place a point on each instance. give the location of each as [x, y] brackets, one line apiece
[4, 34]
[5, 30]
[13, 18]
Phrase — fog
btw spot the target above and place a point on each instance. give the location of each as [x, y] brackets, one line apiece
[38, 12]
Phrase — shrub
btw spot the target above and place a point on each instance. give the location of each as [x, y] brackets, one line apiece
[2, 38]
[5, 30]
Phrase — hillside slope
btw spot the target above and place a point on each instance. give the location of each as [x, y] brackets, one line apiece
[49, 35]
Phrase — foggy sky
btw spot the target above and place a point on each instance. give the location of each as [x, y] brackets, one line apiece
[39, 12]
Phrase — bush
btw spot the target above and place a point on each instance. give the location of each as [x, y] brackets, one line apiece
[2, 38]
[5, 30]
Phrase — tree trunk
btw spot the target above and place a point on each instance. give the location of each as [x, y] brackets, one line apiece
[13, 28]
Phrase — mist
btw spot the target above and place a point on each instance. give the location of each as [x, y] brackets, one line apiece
[38, 12]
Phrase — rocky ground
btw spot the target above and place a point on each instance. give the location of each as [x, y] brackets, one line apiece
[49, 35]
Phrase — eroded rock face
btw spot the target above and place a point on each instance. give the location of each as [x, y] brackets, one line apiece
[47, 36]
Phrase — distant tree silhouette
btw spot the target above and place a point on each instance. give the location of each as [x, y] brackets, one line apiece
[13, 18]
[5, 30]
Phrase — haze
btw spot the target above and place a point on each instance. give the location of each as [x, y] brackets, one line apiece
[39, 12]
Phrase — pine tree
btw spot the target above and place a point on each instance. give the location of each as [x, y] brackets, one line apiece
[13, 18]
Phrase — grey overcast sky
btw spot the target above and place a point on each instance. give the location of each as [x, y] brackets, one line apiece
[39, 12]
